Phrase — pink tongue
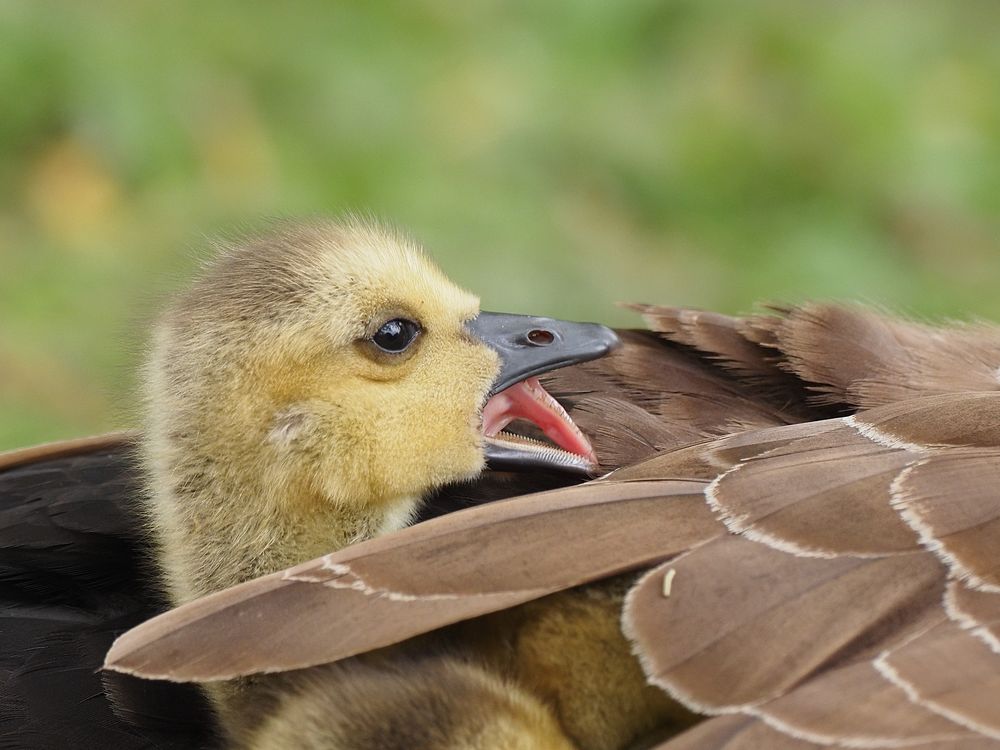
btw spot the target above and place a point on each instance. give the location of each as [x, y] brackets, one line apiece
[528, 400]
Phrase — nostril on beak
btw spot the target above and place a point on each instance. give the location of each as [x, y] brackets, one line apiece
[540, 337]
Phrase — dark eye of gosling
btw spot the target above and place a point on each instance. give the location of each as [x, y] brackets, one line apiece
[395, 335]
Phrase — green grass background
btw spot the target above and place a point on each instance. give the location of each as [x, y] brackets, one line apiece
[554, 156]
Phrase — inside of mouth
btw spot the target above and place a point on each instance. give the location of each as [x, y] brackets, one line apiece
[530, 402]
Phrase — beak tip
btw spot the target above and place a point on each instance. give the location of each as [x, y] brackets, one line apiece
[609, 339]
[531, 346]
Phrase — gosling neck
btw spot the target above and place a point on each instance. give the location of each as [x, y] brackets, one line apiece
[214, 529]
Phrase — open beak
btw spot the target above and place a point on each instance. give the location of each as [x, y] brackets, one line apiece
[529, 346]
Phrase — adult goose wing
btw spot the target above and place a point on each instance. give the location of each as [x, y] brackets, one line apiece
[876, 533]
[856, 554]
[859, 610]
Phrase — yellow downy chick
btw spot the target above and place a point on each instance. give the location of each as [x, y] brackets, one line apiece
[305, 394]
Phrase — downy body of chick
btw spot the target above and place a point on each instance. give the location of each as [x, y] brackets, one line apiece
[305, 394]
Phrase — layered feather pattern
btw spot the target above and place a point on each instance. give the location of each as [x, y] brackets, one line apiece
[812, 492]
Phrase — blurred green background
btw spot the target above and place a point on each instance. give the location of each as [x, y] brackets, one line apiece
[554, 156]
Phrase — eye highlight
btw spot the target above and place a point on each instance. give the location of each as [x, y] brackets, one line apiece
[396, 335]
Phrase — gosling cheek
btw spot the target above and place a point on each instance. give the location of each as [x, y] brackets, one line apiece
[288, 426]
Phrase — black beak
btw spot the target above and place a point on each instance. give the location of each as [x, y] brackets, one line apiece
[530, 346]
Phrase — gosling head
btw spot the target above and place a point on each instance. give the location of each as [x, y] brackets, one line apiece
[315, 383]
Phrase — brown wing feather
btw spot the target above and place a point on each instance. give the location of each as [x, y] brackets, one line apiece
[834, 496]
[951, 672]
[672, 384]
[952, 499]
[735, 732]
[427, 576]
[798, 613]
[859, 357]
[714, 335]
[857, 705]
[727, 343]
[65, 448]
[975, 610]
[708, 459]
[835, 479]
[741, 732]
[956, 419]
